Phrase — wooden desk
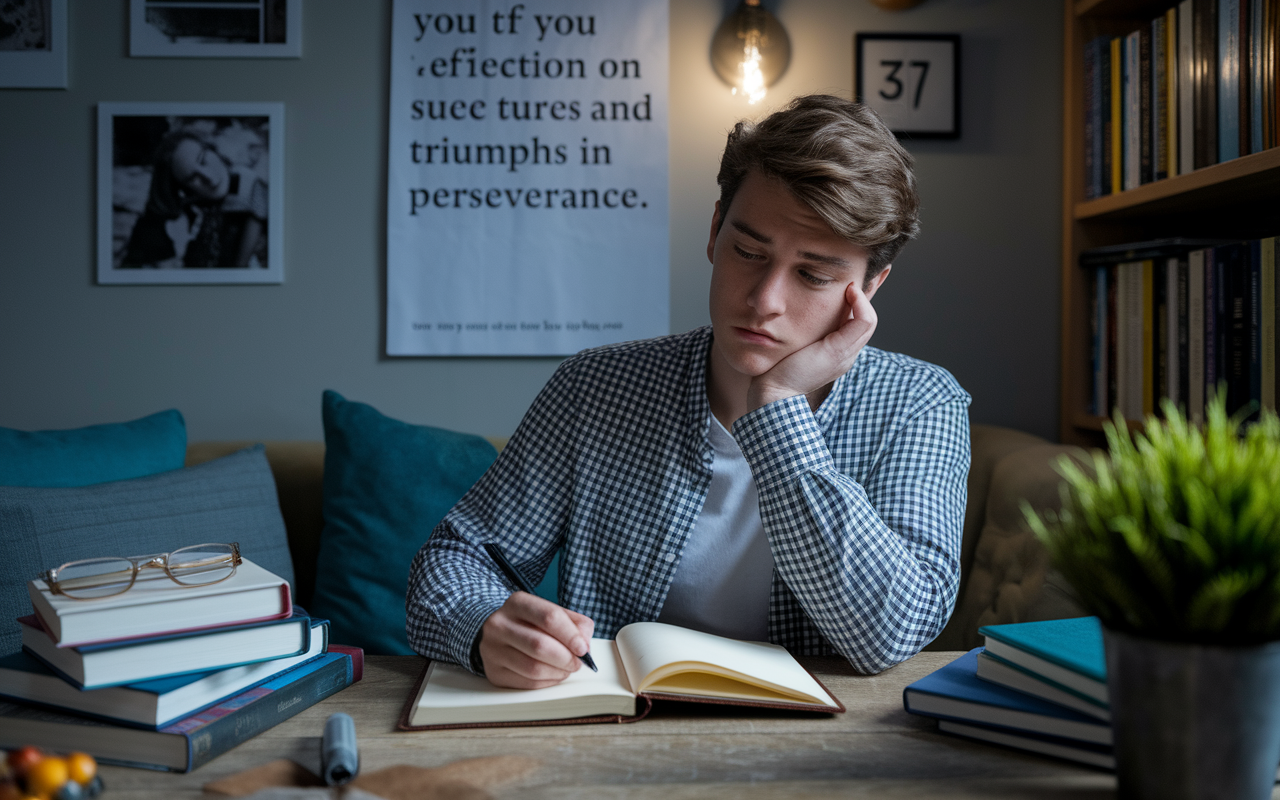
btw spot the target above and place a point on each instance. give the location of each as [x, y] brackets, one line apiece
[874, 750]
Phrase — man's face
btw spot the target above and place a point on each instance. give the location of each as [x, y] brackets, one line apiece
[778, 278]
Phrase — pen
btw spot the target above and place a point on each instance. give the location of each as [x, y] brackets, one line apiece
[522, 583]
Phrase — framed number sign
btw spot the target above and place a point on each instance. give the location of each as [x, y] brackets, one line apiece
[912, 80]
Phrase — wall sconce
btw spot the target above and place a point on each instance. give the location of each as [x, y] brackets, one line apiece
[750, 50]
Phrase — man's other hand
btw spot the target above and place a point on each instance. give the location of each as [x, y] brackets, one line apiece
[531, 643]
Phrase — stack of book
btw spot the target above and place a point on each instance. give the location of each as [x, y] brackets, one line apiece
[166, 676]
[1194, 86]
[1036, 686]
[1179, 318]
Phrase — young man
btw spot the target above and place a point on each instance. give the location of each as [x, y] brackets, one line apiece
[827, 521]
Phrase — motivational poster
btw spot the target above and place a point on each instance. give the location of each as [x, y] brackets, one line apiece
[527, 176]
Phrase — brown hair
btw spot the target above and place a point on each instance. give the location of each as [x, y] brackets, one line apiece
[838, 158]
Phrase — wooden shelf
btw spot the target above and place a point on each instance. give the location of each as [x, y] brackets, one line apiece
[1089, 422]
[1120, 8]
[1252, 177]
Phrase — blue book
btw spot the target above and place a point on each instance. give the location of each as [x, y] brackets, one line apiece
[115, 663]
[956, 693]
[187, 743]
[1229, 72]
[153, 703]
[1067, 652]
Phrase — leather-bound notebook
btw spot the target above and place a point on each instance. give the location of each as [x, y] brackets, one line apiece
[648, 661]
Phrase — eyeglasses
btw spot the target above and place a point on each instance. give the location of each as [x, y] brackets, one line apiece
[92, 578]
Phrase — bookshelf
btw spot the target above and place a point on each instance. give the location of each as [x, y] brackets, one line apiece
[1233, 199]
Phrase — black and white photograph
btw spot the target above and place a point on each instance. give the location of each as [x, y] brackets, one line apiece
[33, 44]
[216, 28]
[190, 192]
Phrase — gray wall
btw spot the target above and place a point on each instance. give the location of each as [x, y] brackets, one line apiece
[976, 293]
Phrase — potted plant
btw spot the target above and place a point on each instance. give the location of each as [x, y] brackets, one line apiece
[1173, 541]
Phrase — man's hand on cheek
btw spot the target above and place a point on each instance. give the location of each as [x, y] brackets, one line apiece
[817, 365]
[531, 643]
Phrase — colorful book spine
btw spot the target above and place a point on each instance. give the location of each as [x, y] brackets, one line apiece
[1183, 331]
[1159, 332]
[1171, 91]
[1098, 405]
[1117, 117]
[1205, 47]
[1195, 334]
[1228, 73]
[1186, 90]
[1257, 77]
[1159, 102]
[1147, 315]
[1102, 131]
[1267, 324]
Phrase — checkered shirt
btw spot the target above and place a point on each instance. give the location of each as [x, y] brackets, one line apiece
[862, 500]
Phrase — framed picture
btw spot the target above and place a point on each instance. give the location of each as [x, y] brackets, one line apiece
[220, 29]
[33, 44]
[912, 80]
[190, 192]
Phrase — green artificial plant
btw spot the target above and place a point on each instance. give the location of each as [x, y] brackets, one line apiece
[1176, 533]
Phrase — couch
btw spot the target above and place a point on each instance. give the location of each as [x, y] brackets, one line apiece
[1005, 573]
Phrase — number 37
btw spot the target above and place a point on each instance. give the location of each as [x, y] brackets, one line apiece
[893, 82]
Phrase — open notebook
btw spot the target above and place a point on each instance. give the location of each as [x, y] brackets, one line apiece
[649, 660]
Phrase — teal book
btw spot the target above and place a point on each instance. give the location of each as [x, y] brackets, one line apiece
[155, 703]
[955, 693]
[1067, 652]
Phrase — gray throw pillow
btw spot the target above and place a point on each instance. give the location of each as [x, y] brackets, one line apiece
[231, 499]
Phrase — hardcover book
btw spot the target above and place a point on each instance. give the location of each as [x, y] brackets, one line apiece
[158, 606]
[1066, 651]
[149, 704]
[648, 661]
[93, 666]
[189, 742]
[956, 693]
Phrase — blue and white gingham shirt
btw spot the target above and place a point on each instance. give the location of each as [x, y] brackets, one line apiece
[862, 500]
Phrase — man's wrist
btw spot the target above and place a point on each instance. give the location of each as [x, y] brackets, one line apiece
[759, 396]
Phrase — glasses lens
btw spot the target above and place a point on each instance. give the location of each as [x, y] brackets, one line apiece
[95, 577]
[201, 564]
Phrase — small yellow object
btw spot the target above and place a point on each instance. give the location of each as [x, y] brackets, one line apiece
[47, 776]
[81, 767]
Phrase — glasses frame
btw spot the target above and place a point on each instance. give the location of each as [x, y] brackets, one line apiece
[139, 563]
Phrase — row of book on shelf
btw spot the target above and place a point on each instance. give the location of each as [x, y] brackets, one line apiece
[167, 676]
[1193, 87]
[1180, 319]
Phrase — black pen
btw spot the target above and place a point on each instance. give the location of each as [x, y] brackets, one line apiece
[522, 583]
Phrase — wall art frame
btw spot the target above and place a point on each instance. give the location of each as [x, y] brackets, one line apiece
[225, 29]
[190, 193]
[912, 80]
[33, 45]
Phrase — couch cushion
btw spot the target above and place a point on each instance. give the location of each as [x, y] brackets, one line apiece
[230, 499]
[386, 485]
[96, 454]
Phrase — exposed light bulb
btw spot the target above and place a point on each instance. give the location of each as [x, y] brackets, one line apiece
[752, 77]
[750, 50]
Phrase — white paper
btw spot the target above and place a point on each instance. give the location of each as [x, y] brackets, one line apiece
[554, 237]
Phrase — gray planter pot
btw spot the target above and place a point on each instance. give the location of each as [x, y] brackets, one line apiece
[1193, 721]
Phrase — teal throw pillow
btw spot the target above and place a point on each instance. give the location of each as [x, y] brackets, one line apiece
[386, 485]
[96, 454]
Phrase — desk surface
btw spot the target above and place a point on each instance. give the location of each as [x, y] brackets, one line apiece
[874, 750]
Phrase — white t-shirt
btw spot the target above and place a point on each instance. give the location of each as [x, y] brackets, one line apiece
[722, 582]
